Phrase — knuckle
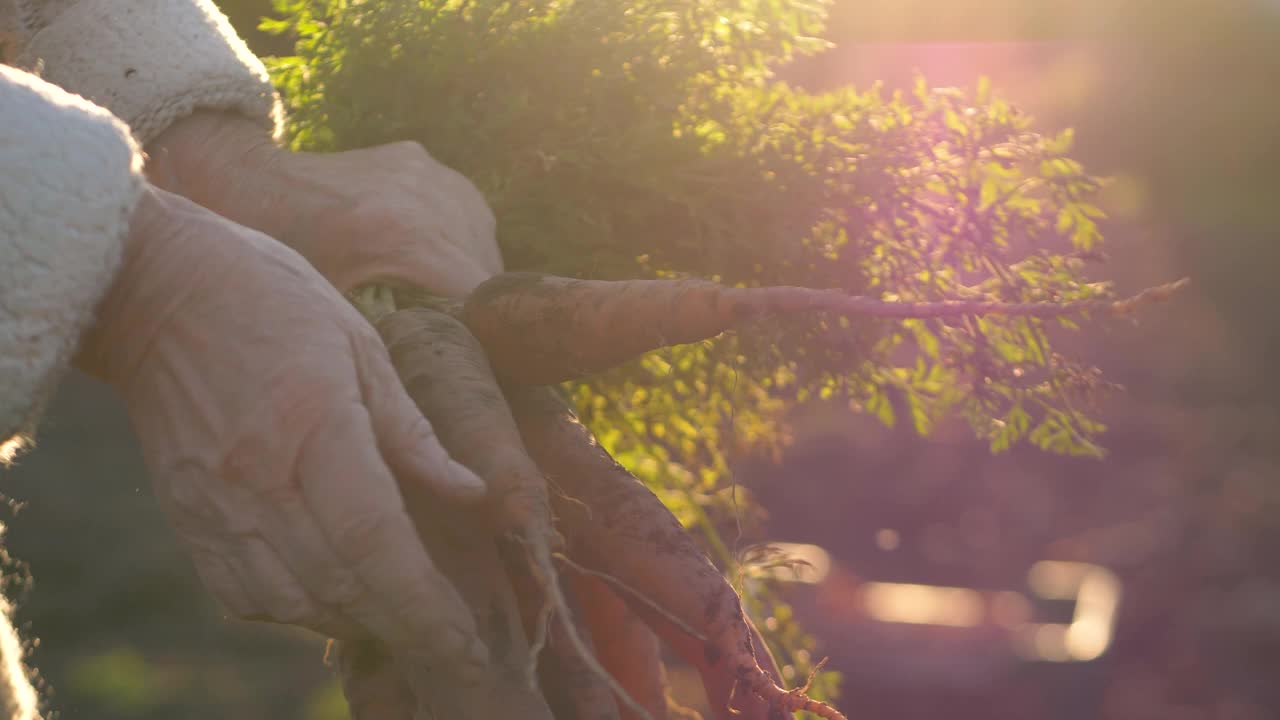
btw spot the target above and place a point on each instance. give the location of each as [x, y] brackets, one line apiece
[183, 489]
[203, 507]
[411, 150]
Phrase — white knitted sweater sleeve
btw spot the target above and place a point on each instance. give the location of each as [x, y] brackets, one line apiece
[70, 175]
[150, 62]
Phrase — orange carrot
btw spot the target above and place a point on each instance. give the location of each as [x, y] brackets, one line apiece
[573, 689]
[626, 647]
[541, 329]
[615, 526]
[446, 374]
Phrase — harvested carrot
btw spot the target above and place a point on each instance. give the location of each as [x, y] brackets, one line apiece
[541, 329]
[626, 647]
[573, 689]
[447, 375]
[381, 687]
[616, 527]
[720, 684]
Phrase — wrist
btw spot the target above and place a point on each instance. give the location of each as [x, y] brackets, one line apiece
[157, 270]
[220, 160]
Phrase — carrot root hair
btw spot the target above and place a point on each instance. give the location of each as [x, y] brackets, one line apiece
[630, 540]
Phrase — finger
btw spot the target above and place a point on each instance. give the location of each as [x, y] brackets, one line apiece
[291, 531]
[408, 442]
[481, 223]
[200, 520]
[350, 491]
[423, 269]
[281, 597]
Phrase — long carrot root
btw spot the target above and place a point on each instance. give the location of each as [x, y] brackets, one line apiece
[572, 687]
[627, 648]
[447, 375]
[541, 329]
[620, 529]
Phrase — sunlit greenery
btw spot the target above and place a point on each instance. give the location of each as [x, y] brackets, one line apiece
[641, 139]
[119, 681]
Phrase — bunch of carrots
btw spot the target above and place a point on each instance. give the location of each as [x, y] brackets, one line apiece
[576, 572]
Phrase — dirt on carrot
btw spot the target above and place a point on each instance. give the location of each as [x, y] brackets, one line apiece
[447, 375]
[625, 645]
[542, 329]
[619, 529]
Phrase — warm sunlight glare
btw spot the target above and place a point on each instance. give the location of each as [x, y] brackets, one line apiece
[1054, 580]
[1096, 607]
[1096, 592]
[922, 604]
[10, 448]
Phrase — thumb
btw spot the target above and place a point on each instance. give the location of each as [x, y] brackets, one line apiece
[409, 444]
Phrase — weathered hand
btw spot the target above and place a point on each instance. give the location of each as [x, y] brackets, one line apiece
[272, 422]
[390, 213]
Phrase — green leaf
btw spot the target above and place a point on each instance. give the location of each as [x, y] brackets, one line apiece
[925, 340]
[1066, 219]
[989, 193]
[919, 414]
[1063, 143]
[878, 404]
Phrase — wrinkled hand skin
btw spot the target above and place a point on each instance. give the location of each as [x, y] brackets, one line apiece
[390, 213]
[275, 430]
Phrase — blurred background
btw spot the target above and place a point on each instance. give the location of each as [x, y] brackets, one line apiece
[944, 580]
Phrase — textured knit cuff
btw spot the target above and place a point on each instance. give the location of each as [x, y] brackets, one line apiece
[70, 175]
[152, 63]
